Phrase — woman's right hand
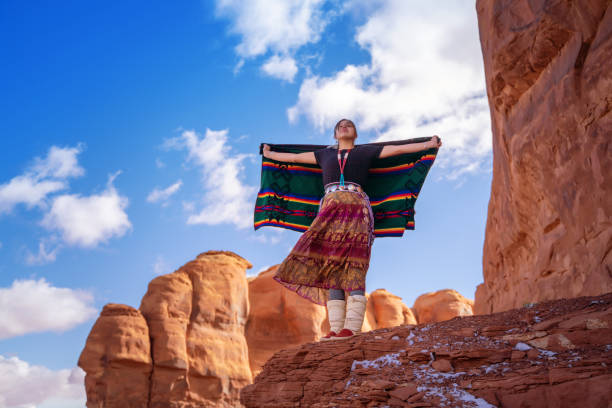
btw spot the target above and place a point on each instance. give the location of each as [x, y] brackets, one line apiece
[266, 150]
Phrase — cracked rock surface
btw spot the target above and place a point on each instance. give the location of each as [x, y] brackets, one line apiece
[552, 354]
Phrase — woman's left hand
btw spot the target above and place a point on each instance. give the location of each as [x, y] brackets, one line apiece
[435, 142]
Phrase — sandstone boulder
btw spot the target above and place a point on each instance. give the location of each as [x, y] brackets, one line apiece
[388, 310]
[196, 318]
[117, 359]
[441, 305]
[184, 348]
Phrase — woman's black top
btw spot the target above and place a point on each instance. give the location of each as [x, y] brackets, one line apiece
[357, 165]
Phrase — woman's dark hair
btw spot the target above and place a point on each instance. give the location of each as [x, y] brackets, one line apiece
[338, 125]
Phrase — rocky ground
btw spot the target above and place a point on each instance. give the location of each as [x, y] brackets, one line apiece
[551, 354]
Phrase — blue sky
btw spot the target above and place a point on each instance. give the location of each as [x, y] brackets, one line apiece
[129, 139]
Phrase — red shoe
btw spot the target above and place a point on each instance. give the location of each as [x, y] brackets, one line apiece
[344, 334]
[328, 336]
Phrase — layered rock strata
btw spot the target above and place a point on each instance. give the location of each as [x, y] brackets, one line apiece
[556, 353]
[184, 348]
[196, 319]
[548, 68]
[117, 359]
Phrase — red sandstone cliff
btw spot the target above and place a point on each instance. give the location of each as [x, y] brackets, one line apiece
[548, 67]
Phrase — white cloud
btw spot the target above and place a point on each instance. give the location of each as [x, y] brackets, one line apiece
[27, 386]
[90, 220]
[60, 163]
[160, 266]
[271, 236]
[44, 256]
[46, 176]
[282, 68]
[158, 195]
[159, 164]
[29, 306]
[27, 190]
[425, 77]
[227, 199]
[279, 26]
[188, 206]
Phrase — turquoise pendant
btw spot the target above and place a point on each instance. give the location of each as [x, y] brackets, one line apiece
[342, 180]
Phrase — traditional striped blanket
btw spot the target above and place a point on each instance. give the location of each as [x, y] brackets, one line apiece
[290, 192]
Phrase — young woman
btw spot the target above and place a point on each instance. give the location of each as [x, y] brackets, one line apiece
[333, 255]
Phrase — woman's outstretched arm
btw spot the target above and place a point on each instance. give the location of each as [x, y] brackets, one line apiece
[392, 150]
[306, 158]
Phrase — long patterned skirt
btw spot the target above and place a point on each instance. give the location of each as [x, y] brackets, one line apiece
[335, 250]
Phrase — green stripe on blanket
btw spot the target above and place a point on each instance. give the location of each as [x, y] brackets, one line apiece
[290, 192]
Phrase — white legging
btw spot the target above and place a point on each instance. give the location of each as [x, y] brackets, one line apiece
[338, 294]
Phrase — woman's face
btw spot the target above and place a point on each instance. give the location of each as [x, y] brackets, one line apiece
[346, 130]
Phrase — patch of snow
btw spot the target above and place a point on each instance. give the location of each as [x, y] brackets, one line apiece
[490, 368]
[537, 319]
[462, 395]
[387, 359]
[431, 382]
[511, 330]
[522, 346]
[547, 353]
[395, 338]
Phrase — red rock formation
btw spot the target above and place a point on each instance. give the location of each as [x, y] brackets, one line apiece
[197, 355]
[554, 354]
[388, 310]
[196, 318]
[191, 345]
[442, 305]
[117, 359]
[548, 67]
